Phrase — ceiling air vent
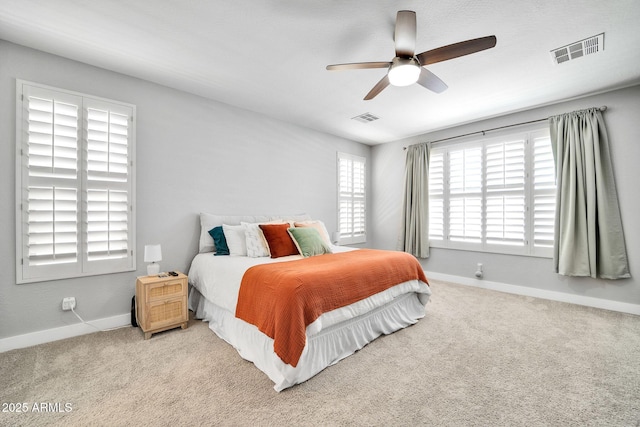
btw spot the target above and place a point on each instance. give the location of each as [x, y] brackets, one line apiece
[576, 50]
[365, 118]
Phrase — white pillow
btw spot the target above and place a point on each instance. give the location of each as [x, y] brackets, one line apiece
[255, 242]
[209, 221]
[236, 240]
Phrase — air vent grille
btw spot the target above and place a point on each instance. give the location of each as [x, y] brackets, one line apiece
[365, 118]
[576, 50]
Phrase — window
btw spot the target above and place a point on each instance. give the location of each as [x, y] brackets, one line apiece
[494, 194]
[351, 199]
[75, 184]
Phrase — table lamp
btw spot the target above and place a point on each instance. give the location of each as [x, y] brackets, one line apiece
[153, 254]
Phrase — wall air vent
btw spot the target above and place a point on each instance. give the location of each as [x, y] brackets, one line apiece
[365, 118]
[576, 50]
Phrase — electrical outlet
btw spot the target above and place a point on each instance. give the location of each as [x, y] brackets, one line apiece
[68, 303]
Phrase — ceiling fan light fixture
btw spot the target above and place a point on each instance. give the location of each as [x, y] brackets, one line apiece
[404, 71]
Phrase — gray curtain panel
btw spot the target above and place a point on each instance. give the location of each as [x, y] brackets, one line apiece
[588, 229]
[415, 210]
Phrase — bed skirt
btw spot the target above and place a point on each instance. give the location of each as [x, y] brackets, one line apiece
[323, 348]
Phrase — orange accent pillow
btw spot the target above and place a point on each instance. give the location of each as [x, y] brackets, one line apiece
[279, 240]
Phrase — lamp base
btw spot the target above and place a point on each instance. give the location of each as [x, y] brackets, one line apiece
[153, 269]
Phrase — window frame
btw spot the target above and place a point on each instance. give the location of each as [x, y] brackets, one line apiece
[81, 266]
[529, 133]
[350, 237]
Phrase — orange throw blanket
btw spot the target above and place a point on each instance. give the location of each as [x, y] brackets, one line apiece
[283, 298]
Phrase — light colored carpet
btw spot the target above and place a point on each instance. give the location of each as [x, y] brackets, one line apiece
[479, 358]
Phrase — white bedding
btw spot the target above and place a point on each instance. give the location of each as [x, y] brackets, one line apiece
[333, 336]
[218, 277]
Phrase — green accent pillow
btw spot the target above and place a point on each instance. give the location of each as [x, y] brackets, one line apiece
[309, 241]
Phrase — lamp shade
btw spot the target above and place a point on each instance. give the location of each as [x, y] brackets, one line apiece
[152, 253]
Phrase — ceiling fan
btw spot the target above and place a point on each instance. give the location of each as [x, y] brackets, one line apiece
[406, 67]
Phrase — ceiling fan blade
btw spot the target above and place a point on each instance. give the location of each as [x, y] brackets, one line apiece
[405, 34]
[455, 50]
[431, 81]
[359, 66]
[377, 88]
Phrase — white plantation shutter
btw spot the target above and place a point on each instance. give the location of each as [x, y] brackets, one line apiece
[544, 191]
[52, 225]
[494, 194]
[505, 199]
[52, 132]
[107, 224]
[107, 143]
[49, 173]
[465, 188]
[436, 196]
[465, 219]
[108, 213]
[71, 159]
[351, 198]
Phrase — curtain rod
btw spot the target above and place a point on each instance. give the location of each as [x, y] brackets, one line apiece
[603, 108]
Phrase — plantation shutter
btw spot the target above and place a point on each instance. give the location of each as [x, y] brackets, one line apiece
[351, 199]
[108, 210]
[505, 199]
[436, 195]
[50, 175]
[544, 191]
[465, 188]
[74, 185]
[494, 194]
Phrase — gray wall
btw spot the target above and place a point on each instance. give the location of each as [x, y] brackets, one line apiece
[193, 155]
[621, 118]
[197, 155]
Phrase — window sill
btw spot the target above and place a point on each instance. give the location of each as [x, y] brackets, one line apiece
[541, 253]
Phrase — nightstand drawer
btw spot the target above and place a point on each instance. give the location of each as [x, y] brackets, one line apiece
[165, 290]
[166, 312]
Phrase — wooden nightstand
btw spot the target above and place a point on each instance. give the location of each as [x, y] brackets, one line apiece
[161, 303]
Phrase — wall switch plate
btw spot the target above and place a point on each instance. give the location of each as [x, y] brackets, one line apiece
[68, 303]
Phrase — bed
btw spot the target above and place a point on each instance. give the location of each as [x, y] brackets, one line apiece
[333, 307]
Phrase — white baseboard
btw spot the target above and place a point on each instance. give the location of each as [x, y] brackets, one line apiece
[622, 307]
[55, 334]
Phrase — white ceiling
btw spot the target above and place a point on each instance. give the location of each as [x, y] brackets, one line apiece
[269, 56]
